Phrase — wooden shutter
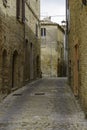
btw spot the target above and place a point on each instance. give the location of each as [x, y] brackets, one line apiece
[23, 10]
[41, 31]
[44, 31]
[18, 9]
[36, 30]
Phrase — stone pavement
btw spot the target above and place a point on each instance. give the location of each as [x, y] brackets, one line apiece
[46, 104]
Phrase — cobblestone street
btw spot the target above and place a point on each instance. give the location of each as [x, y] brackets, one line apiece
[46, 104]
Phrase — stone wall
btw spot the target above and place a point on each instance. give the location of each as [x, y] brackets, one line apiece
[61, 69]
[78, 50]
[19, 47]
[52, 48]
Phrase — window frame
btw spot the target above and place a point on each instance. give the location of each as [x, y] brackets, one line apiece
[43, 32]
[20, 10]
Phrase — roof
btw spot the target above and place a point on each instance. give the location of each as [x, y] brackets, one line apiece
[50, 23]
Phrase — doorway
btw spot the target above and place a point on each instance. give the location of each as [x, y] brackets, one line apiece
[15, 69]
[4, 70]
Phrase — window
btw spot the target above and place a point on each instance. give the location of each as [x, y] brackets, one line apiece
[20, 4]
[43, 32]
[5, 3]
[36, 30]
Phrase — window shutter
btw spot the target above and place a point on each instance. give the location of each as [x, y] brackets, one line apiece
[23, 10]
[41, 31]
[18, 9]
[44, 31]
[36, 30]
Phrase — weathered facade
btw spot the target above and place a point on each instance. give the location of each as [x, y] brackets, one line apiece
[19, 43]
[77, 46]
[61, 66]
[52, 47]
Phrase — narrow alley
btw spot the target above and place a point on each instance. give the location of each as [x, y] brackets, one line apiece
[45, 104]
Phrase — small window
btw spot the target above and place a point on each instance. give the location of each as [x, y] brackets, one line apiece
[5, 3]
[20, 10]
[36, 30]
[43, 32]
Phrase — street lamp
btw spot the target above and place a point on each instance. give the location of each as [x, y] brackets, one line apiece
[63, 21]
[84, 2]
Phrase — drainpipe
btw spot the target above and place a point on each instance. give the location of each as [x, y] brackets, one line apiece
[24, 55]
[66, 37]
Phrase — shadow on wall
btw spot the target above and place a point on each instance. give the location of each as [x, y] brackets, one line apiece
[61, 69]
[15, 54]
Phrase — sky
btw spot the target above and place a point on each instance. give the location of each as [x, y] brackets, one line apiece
[53, 8]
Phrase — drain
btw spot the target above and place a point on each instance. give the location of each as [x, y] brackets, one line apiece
[17, 94]
[41, 93]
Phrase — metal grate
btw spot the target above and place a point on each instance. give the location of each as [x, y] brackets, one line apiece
[40, 93]
[17, 94]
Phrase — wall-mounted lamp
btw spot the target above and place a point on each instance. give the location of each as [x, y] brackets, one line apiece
[84, 2]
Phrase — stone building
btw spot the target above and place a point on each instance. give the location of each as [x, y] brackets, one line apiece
[61, 49]
[77, 47]
[52, 47]
[19, 43]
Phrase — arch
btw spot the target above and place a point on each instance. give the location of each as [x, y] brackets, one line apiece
[4, 70]
[15, 69]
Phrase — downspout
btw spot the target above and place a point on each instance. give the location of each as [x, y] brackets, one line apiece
[66, 40]
[24, 51]
[24, 56]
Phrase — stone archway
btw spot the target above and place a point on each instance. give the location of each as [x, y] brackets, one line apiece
[15, 69]
[4, 71]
